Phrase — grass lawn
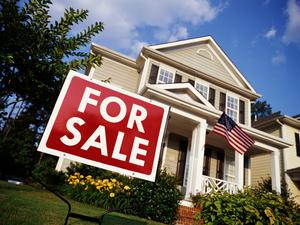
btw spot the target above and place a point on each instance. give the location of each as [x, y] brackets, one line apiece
[27, 205]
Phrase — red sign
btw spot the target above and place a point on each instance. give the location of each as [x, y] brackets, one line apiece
[97, 124]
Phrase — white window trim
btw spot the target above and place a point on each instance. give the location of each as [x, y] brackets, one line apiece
[230, 94]
[170, 69]
[204, 83]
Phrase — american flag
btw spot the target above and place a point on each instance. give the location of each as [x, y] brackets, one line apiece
[236, 137]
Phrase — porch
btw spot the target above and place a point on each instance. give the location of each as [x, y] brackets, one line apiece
[203, 162]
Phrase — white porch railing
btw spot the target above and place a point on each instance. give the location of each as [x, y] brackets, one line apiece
[210, 184]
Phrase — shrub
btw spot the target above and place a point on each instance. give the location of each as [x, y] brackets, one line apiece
[106, 193]
[159, 200]
[152, 200]
[253, 206]
[46, 173]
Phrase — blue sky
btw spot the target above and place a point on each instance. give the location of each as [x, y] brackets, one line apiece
[261, 37]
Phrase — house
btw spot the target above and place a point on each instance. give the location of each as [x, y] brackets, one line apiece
[287, 128]
[198, 81]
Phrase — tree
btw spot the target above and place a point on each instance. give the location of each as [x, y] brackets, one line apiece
[35, 57]
[260, 109]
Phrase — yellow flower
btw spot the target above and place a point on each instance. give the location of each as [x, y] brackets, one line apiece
[88, 177]
[126, 188]
[87, 187]
[112, 195]
[70, 182]
[76, 174]
[82, 183]
[98, 187]
[77, 181]
[113, 180]
[81, 176]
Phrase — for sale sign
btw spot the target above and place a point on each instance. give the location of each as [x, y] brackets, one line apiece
[97, 124]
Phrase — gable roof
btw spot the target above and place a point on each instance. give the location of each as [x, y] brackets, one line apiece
[234, 76]
[274, 118]
[188, 89]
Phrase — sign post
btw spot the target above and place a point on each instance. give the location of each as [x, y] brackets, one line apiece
[103, 126]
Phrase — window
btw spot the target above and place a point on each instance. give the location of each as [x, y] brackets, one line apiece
[165, 76]
[232, 107]
[297, 140]
[202, 87]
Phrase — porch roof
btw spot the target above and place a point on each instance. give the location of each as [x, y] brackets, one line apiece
[211, 115]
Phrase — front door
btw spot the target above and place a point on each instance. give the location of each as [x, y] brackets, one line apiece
[176, 156]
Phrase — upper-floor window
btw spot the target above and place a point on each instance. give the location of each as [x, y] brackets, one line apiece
[202, 88]
[165, 76]
[232, 107]
[297, 141]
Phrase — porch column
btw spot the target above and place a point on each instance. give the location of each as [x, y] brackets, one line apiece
[194, 180]
[276, 172]
[239, 170]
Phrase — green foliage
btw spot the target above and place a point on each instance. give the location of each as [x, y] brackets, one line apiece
[105, 193]
[35, 57]
[260, 109]
[46, 173]
[253, 206]
[158, 200]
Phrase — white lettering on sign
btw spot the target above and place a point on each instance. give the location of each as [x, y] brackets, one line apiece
[86, 98]
[76, 134]
[136, 150]
[98, 138]
[104, 106]
[98, 133]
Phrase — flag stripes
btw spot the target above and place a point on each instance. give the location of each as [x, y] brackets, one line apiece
[236, 137]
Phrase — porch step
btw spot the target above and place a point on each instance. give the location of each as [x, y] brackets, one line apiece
[186, 215]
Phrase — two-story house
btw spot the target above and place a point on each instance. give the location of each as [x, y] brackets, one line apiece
[198, 81]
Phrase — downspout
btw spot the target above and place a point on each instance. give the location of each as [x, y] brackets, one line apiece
[283, 158]
[142, 87]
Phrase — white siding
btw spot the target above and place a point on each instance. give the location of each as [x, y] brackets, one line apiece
[260, 168]
[188, 55]
[121, 75]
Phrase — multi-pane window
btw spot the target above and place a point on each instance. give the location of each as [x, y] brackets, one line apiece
[203, 89]
[232, 107]
[165, 76]
[297, 141]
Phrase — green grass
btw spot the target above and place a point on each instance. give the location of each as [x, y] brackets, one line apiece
[28, 205]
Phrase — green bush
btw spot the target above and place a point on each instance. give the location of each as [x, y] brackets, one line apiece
[46, 173]
[253, 206]
[158, 200]
[152, 200]
[107, 193]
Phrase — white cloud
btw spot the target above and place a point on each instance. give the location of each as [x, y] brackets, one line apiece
[279, 58]
[136, 47]
[270, 33]
[179, 33]
[125, 21]
[292, 32]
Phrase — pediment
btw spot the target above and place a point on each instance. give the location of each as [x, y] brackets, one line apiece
[185, 92]
[204, 54]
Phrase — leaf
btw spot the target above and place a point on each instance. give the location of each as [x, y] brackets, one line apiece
[269, 213]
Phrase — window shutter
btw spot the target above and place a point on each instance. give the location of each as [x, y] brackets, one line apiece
[212, 94]
[153, 74]
[222, 103]
[192, 82]
[297, 140]
[242, 112]
[178, 78]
